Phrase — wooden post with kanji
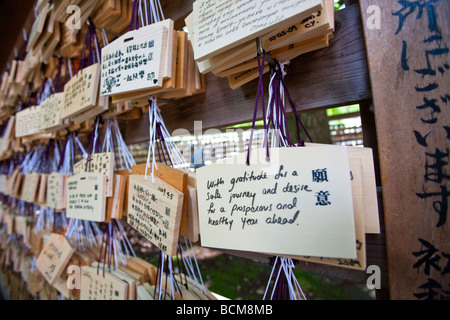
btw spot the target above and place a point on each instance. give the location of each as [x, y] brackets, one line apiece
[408, 54]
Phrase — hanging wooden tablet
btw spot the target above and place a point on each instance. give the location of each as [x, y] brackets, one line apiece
[192, 230]
[3, 179]
[176, 85]
[86, 197]
[190, 71]
[34, 281]
[80, 92]
[137, 60]
[154, 210]
[8, 135]
[111, 202]
[132, 283]
[17, 186]
[54, 257]
[27, 121]
[56, 195]
[9, 184]
[38, 27]
[101, 285]
[8, 220]
[174, 177]
[284, 53]
[120, 200]
[30, 187]
[50, 117]
[315, 25]
[100, 163]
[240, 78]
[248, 207]
[36, 242]
[47, 32]
[221, 25]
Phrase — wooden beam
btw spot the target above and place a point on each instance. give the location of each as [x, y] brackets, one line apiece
[408, 60]
[333, 76]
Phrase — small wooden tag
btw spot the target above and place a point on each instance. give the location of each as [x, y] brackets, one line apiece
[54, 257]
[56, 197]
[86, 198]
[154, 209]
[80, 92]
[30, 187]
[101, 286]
[101, 163]
[137, 60]
[174, 177]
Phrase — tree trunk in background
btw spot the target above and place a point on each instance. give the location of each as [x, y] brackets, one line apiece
[316, 123]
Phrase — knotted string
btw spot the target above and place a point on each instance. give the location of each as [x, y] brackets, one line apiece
[91, 44]
[277, 109]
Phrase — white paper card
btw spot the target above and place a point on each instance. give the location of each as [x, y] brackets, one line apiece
[300, 203]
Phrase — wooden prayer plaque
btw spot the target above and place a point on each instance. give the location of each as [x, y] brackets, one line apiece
[56, 196]
[221, 25]
[86, 198]
[27, 121]
[176, 178]
[101, 163]
[50, 117]
[137, 60]
[30, 187]
[154, 209]
[80, 92]
[101, 286]
[54, 257]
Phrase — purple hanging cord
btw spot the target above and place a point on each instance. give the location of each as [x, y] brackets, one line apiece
[259, 96]
[90, 42]
[134, 23]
